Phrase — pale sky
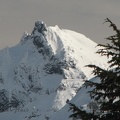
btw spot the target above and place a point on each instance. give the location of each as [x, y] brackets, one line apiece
[83, 16]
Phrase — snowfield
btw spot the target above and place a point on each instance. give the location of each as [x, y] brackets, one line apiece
[42, 72]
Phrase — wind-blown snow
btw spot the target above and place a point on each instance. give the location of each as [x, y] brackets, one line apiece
[43, 71]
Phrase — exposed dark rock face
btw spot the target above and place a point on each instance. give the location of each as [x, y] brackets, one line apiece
[9, 101]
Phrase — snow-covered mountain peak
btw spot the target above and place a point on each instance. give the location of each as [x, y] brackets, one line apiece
[44, 70]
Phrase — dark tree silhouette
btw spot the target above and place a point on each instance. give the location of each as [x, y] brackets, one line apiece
[107, 92]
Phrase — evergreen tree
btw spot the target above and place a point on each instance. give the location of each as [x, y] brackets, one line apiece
[107, 92]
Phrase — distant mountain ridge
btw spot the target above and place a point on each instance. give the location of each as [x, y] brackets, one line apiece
[43, 71]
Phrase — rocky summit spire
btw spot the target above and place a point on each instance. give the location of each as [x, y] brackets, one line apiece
[40, 27]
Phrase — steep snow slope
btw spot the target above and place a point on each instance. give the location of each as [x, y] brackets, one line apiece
[43, 71]
[76, 46]
[81, 99]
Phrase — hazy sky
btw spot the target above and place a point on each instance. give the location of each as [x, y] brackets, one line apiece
[83, 16]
